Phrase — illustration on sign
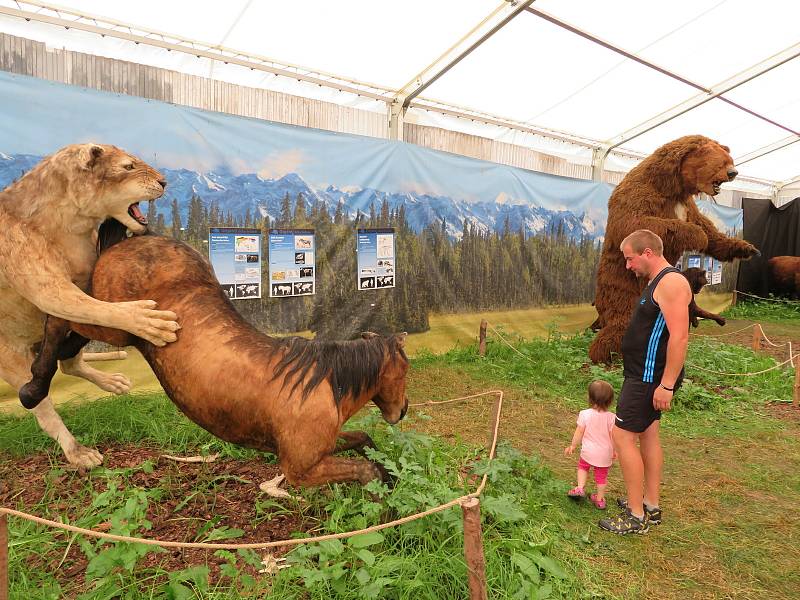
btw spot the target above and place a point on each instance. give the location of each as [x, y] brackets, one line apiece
[291, 262]
[376, 258]
[235, 255]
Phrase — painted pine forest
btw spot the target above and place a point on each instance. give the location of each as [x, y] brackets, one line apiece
[481, 270]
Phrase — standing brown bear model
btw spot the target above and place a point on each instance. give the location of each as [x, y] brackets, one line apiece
[657, 195]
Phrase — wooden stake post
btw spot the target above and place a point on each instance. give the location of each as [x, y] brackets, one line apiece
[756, 337]
[797, 381]
[473, 549]
[482, 339]
[3, 556]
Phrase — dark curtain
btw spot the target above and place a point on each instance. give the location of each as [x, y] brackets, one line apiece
[774, 231]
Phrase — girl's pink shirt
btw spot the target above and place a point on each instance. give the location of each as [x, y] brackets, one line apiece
[597, 448]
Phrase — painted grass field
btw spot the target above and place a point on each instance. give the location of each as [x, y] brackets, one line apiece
[731, 527]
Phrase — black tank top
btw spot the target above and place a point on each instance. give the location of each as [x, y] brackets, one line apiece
[644, 346]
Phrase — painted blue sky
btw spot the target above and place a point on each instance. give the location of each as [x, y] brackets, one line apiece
[40, 117]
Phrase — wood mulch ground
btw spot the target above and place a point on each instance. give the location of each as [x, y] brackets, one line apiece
[193, 494]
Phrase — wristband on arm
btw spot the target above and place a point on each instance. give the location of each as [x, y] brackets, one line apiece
[672, 389]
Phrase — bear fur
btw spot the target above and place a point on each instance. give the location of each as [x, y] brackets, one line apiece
[658, 194]
[784, 275]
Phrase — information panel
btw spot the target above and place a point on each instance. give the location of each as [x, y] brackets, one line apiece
[291, 262]
[376, 258]
[235, 255]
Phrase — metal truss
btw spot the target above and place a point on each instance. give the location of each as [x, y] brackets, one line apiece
[398, 101]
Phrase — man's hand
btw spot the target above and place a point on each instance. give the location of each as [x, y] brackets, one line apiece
[569, 450]
[662, 399]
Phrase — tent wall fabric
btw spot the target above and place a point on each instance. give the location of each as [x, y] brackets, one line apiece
[469, 235]
[28, 57]
[773, 230]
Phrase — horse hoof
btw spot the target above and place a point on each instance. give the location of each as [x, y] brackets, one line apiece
[30, 395]
[385, 476]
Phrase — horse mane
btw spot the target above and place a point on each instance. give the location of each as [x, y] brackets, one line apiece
[351, 367]
[110, 233]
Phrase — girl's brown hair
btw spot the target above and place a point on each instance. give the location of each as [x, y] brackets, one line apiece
[601, 394]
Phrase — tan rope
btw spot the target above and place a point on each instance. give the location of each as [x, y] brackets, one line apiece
[502, 339]
[764, 335]
[294, 541]
[790, 359]
[716, 335]
[768, 299]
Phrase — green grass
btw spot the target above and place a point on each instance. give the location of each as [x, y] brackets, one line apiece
[730, 485]
[773, 309]
[419, 560]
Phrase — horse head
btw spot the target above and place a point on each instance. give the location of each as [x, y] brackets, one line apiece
[390, 396]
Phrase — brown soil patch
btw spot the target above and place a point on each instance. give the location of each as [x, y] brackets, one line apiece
[194, 493]
[784, 411]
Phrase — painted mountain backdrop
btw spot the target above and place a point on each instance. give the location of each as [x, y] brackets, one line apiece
[239, 193]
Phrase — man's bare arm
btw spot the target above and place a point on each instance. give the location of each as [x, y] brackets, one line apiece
[673, 296]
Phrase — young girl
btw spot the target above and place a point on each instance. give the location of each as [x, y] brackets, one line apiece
[593, 433]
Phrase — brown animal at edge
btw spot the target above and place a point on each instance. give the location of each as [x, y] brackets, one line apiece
[289, 396]
[784, 274]
[658, 194]
[697, 280]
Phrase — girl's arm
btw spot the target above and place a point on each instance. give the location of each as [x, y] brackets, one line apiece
[576, 439]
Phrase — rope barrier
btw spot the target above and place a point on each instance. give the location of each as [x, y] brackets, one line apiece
[717, 335]
[769, 299]
[766, 339]
[294, 541]
[787, 361]
[502, 339]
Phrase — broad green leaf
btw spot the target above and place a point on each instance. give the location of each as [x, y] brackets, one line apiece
[365, 539]
[526, 566]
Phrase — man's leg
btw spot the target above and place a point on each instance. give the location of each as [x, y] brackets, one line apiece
[630, 459]
[653, 457]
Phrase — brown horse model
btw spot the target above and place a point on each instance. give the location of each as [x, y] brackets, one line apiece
[289, 396]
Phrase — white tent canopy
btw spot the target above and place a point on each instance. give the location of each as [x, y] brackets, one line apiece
[574, 79]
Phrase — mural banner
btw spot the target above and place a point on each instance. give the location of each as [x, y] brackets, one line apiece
[468, 235]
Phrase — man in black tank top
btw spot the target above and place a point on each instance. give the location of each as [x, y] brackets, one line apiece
[654, 350]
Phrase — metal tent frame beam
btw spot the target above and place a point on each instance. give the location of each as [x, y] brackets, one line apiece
[763, 151]
[399, 101]
[108, 27]
[493, 23]
[706, 94]
[111, 28]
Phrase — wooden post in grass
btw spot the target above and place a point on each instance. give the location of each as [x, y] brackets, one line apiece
[797, 381]
[482, 338]
[734, 298]
[756, 336]
[3, 556]
[473, 549]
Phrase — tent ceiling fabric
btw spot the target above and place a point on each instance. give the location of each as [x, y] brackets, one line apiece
[530, 72]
